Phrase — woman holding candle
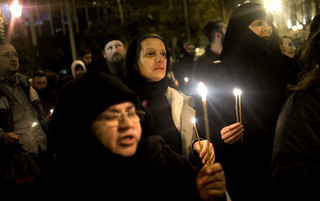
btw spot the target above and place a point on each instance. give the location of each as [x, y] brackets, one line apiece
[251, 60]
[104, 149]
[147, 62]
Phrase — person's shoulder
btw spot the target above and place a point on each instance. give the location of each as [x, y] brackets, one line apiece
[200, 59]
[23, 79]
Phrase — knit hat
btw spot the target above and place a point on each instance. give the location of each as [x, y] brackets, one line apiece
[80, 102]
[91, 94]
[74, 64]
[186, 44]
[109, 38]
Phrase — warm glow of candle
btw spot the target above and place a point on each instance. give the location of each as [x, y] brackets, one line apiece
[51, 111]
[34, 124]
[196, 130]
[203, 91]
[237, 94]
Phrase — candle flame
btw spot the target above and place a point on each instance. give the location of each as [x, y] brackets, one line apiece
[34, 124]
[51, 111]
[237, 92]
[193, 120]
[202, 90]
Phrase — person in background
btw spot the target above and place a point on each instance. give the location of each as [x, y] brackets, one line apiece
[147, 61]
[114, 53]
[85, 56]
[288, 47]
[78, 67]
[25, 153]
[121, 159]
[183, 68]
[296, 150]
[47, 97]
[215, 32]
[251, 60]
[54, 78]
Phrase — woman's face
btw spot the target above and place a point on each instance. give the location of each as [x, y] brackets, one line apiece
[288, 47]
[118, 128]
[152, 61]
[261, 28]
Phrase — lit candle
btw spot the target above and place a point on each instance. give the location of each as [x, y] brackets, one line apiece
[202, 89]
[196, 130]
[240, 114]
[237, 95]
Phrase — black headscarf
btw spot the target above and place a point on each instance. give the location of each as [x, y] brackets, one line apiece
[80, 102]
[238, 30]
[132, 57]
[92, 169]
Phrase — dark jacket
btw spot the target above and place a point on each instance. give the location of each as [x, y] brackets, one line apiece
[201, 67]
[183, 68]
[258, 68]
[296, 152]
[17, 168]
[6, 119]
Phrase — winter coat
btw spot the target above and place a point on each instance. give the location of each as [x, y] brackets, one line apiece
[296, 151]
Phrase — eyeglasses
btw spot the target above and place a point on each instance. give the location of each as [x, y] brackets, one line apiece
[115, 118]
[9, 54]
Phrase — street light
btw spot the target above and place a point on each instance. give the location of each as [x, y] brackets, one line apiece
[15, 9]
[273, 5]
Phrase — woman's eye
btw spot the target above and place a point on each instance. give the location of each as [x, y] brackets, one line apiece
[259, 23]
[131, 114]
[109, 117]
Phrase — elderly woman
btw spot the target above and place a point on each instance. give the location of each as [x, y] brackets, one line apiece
[104, 149]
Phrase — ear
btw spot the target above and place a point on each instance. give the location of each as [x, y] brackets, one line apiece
[218, 35]
[104, 54]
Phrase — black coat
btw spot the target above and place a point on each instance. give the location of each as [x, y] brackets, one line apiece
[87, 169]
[257, 67]
[296, 156]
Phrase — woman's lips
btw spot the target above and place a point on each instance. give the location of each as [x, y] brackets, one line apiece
[127, 139]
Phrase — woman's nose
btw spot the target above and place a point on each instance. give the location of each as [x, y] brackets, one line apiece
[124, 120]
[159, 58]
[266, 26]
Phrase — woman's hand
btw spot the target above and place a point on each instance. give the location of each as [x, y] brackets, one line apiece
[232, 133]
[203, 152]
[211, 182]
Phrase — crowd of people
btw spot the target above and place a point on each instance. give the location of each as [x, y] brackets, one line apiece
[124, 129]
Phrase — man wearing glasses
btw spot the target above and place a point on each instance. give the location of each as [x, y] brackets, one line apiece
[23, 139]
